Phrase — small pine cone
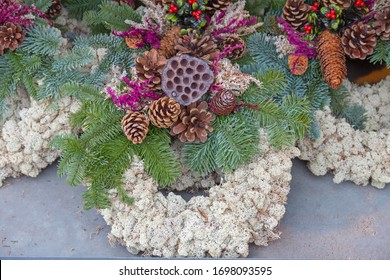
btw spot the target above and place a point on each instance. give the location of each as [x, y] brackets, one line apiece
[332, 59]
[223, 103]
[295, 12]
[359, 41]
[215, 5]
[135, 126]
[193, 123]
[382, 23]
[202, 47]
[162, 2]
[169, 41]
[164, 112]
[11, 36]
[298, 64]
[54, 10]
[150, 66]
[232, 41]
[344, 4]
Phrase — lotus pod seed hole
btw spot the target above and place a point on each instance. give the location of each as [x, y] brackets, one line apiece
[170, 74]
[189, 71]
[179, 89]
[176, 80]
[185, 98]
[174, 94]
[194, 85]
[187, 90]
[194, 94]
[180, 71]
[205, 77]
[186, 80]
[184, 62]
[202, 87]
[174, 64]
[193, 63]
[170, 85]
[196, 77]
[200, 68]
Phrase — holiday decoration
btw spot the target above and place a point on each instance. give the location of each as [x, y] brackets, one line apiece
[194, 123]
[359, 41]
[186, 78]
[215, 5]
[11, 36]
[298, 64]
[188, 14]
[332, 59]
[194, 45]
[382, 23]
[236, 43]
[164, 112]
[135, 126]
[169, 41]
[344, 4]
[54, 10]
[223, 103]
[149, 67]
[295, 12]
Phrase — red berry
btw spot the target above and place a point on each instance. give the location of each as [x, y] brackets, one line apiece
[333, 16]
[327, 15]
[307, 32]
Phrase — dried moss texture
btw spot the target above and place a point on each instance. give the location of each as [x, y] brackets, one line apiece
[246, 208]
[353, 155]
[25, 135]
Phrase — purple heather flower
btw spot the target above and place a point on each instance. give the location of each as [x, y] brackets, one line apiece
[148, 36]
[232, 26]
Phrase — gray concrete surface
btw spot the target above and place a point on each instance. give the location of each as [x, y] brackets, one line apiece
[43, 217]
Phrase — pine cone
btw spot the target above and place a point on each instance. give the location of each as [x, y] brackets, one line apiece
[134, 41]
[11, 36]
[202, 47]
[169, 41]
[359, 41]
[298, 64]
[382, 23]
[54, 10]
[135, 126]
[193, 123]
[232, 41]
[223, 103]
[332, 59]
[163, 2]
[164, 112]
[344, 4]
[295, 12]
[215, 5]
[150, 66]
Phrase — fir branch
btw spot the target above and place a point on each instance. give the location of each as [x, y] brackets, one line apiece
[41, 5]
[339, 100]
[356, 115]
[81, 91]
[158, 158]
[42, 40]
[96, 196]
[200, 157]
[381, 53]
[77, 8]
[72, 60]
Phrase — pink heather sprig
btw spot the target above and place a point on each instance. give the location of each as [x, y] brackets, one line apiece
[302, 47]
[232, 27]
[223, 54]
[369, 4]
[149, 37]
[17, 13]
[137, 98]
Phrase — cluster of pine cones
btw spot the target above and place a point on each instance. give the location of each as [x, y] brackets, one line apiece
[356, 40]
[181, 69]
[12, 33]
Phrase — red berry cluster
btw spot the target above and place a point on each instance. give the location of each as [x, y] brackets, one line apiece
[191, 2]
[173, 9]
[308, 29]
[332, 14]
[197, 14]
[359, 3]
[315, 6]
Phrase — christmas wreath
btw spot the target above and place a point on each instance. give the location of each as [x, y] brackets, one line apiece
[352, 142]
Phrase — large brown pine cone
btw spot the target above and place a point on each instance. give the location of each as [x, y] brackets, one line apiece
[344, 4]
[150, 67]
[295, 12]
[202, 46]
[135, 126]
[193, 123]
[232, 41]
[54, 10]
[223, 103]
[382, 23]
[169, 41]
[11, 36]
[359, 41]
[164, 112]
[332, 59]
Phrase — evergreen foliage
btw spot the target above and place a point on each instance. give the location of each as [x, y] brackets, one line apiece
[77, 8]
[356, 116]
[41, 5]
[111, 15]
[381, 53]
